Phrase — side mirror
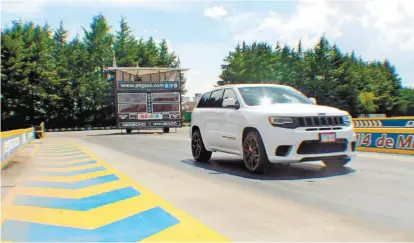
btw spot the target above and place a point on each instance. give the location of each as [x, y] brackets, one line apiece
[313, 100]
[231, 103]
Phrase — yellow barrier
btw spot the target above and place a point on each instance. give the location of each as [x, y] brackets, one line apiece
[13, 141]
[40, 130]
[15, 132]
[386, 140]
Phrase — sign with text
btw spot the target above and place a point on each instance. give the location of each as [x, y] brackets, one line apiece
[384, 140]
[403, 122]
[148, 104]
[12, 143]
[168, 86]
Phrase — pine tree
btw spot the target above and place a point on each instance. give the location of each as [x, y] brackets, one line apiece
[125, 46]
[165, 58]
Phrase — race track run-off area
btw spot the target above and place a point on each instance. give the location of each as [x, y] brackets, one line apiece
[95, 186]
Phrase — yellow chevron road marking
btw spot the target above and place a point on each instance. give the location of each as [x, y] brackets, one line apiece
[68, 193]
[53, 148]
[75, 178]
[88, 219]
[80, 167]
[191, 228]
[188, 229]
[184, 232]
[42, 162]
[58, 157]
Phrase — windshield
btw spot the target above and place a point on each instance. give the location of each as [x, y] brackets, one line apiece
[265, 95]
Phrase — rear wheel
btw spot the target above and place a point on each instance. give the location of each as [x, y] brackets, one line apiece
[336, 163]
[197, 148]
[128, 130]
[254, 153]
[166, 129]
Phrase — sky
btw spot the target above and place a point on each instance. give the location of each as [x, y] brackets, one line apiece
[202, 33]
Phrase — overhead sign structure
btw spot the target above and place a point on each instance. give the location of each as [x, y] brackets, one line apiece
[148, 104]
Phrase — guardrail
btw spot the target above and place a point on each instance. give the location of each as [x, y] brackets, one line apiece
[385, 135]
[13, 141]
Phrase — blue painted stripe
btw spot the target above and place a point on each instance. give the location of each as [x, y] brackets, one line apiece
[71, 165]
[83, 204]
[59, 151]
[71, 185]
[66, 160]
[71, 173]
[62, 154]
[130, 229]
[72, 154]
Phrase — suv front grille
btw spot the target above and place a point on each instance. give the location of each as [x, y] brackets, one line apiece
[316, 147]
[319, 121]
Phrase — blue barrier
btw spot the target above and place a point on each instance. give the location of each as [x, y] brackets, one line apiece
[386, 140]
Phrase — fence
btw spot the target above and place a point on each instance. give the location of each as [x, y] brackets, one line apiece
[13, 141]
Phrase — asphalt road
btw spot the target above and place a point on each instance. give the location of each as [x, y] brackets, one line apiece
[370, 200]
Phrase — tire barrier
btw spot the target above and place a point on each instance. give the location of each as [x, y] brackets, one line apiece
[13, 141]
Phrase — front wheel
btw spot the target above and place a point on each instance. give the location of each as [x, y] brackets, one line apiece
[254, 153]
[128, 130]
[336, 163]
[166, 129]
[198, 150]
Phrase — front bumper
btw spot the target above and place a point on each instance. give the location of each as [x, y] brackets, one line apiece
[299, 145]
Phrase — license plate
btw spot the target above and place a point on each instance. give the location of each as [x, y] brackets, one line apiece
[327, 137]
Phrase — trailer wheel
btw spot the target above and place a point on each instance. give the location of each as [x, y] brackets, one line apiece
[166, 129]
[129, 130]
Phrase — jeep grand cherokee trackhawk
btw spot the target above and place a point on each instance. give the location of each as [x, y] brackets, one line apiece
[268, 123]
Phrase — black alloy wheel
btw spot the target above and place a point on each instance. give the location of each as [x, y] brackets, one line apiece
[197, 148]
[254, 153]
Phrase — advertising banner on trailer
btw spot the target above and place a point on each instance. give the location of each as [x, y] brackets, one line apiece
[144, 105]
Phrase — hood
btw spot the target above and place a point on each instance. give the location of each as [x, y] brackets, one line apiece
[298, 110]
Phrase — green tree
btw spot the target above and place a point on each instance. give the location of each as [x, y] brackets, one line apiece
[125, 46]
[165, 58]
[334, 78]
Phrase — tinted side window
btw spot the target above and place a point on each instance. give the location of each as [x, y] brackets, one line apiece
[204, 100]
[229, 93]
[216, 98]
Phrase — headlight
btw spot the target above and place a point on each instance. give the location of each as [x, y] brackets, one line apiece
[280, 120]
[347, 120]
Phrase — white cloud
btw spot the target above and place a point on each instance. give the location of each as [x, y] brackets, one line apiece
[375, 29]
[203, 60]
[25, 8]
[215, 12]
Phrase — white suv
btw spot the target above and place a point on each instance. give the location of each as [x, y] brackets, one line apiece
[268, 123]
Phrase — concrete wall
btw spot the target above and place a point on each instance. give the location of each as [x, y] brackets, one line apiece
[12, 141]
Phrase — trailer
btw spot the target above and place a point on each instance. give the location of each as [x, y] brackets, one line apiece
[147, 98]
